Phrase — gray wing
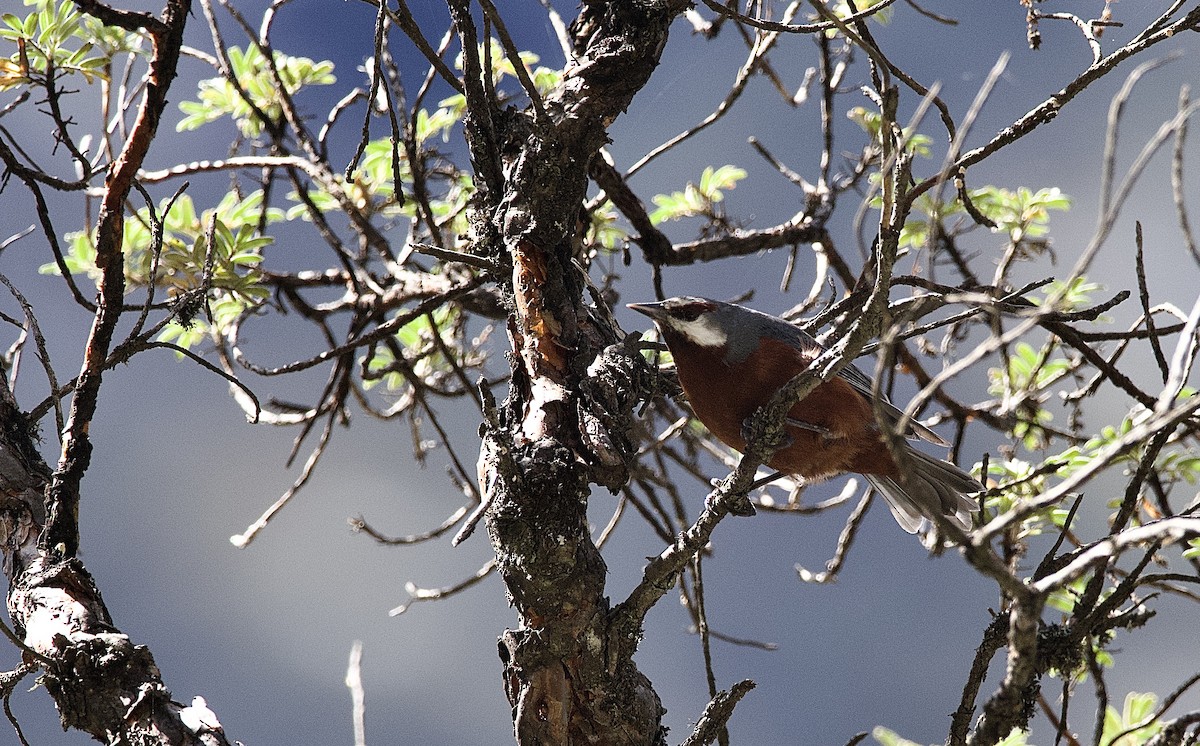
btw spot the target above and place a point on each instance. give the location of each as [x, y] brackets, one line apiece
[862, 383]
[856, 378]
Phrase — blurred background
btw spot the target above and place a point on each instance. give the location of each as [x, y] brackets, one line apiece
[264, 633]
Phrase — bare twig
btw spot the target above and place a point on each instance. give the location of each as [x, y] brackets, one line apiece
[717, 713]
[419, 594]
[358, 698]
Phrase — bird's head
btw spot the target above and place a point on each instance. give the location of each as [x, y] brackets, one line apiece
[715, 325]
[697, 321]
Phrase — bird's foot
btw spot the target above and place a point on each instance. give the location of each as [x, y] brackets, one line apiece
[824, 432]
[753, 433]
[738, 505]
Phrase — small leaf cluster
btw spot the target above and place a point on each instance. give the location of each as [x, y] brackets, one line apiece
[232, 284]
[545, 79]
[415, 336]
[1026, 379]
[1064, 599]
[218, 97]
[1024, 385]
[605, 233]
[871, 122]
[372, 190]
[843, 9]
[1025, 482]
[1068, 296]
[698, 200]
[1177, 461]
[58, 39]
[1137, 709]
[1024, 215]
[427, 349]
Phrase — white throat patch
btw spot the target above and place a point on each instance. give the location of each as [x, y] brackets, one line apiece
[703, 331]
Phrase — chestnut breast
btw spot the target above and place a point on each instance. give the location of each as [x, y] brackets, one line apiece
[725, 393]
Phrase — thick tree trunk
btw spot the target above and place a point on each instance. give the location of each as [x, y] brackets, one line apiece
[568, 677]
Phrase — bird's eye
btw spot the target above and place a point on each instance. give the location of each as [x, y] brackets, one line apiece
[688, 313]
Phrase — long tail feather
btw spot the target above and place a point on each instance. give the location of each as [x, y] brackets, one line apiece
[934, 487]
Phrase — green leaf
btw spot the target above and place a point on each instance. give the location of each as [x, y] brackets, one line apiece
[1138, 707]
[696, 201]
[882, 17]
[58, 36]
[1074, 295]
[217, 97]
[1023, 214]
[888, 737]
[871, 122]
[1017, 737]
[437, 123]
[604, 229]
[713, 181]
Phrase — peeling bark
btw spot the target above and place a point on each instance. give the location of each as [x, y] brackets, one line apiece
[564, 425]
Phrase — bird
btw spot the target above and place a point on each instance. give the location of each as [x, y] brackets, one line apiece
[731, 360]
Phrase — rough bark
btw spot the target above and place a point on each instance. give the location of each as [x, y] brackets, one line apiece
[101, 682]
[556, 432]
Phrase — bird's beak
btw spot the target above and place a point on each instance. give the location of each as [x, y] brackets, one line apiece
[653, 310]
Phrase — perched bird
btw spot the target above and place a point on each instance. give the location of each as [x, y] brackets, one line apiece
[731, 360]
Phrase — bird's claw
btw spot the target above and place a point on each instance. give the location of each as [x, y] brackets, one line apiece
[752, 434]
[749, 431]
[824, 432]
[739, 506]
[742, 507]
